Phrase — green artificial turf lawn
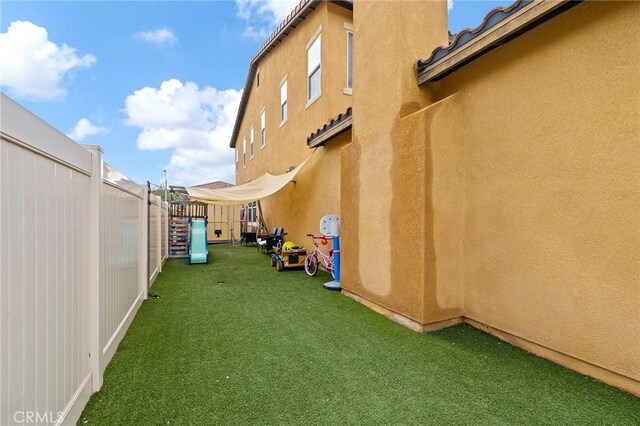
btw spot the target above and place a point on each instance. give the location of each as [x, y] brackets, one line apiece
[236, 342]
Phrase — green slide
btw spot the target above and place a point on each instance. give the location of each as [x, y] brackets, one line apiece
[198, 241]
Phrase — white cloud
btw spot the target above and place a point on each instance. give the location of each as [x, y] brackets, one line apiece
[253, 32]
[196, 123]
[160, 36]
[450, 4]
[262, 16]
[34, 67]
[84, 128]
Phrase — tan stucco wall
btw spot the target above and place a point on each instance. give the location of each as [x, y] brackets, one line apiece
[316, 192]
[387, 244]
[508, 192]
[551, 184]
[300, 205]
[286, 144]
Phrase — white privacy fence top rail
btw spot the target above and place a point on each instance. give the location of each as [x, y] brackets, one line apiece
[24, 128]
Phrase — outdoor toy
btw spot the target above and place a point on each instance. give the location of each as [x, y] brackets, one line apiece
[288, 246]
[198, 252]
[316, 257]
[293, 257]
[330, 228]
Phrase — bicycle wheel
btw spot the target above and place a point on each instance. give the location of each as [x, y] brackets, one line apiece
[311, 265]
[333, 271]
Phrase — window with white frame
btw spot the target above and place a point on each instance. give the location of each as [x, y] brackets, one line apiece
[283, 101]
[263, 132]
[244, 152]
[313, 68]
[251, 145]
[349, 59]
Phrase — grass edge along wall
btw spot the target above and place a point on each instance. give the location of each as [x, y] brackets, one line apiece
[521, 221]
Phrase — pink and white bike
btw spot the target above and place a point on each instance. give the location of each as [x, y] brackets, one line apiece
[317, 257]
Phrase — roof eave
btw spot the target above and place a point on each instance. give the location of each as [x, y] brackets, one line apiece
[523, 20]
[327, 136]
[297, 15]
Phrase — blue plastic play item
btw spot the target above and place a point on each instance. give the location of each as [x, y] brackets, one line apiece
[335, 284]
[198, 251]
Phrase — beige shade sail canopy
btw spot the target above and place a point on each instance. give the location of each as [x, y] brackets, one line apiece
[257, 189]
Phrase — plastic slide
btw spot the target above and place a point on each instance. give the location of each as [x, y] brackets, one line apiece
[198, 241]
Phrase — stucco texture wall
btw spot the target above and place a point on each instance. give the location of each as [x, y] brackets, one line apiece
[286, 143]
[550, 170]
[315, 193]
[508, 192]
[387, 243]
[299, 206]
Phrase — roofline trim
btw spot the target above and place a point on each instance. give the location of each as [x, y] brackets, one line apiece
[522, 20]
[297, 15]
[330, 134]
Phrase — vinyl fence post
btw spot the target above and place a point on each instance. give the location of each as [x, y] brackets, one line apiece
[143, 244]
[93, 249]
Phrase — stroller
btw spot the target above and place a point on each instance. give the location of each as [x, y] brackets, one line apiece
[266, 243]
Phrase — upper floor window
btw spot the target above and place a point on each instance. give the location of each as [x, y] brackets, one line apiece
[313, 68]
[244, 152]
[349, 59]
[283, 101]
[263, 134]
[251, 144]
[257, 78]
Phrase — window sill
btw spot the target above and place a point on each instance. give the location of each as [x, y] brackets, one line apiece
[312, 100]
[347, 91]
[262, 147]
[284, 122]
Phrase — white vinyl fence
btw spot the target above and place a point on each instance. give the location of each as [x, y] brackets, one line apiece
[74, 263]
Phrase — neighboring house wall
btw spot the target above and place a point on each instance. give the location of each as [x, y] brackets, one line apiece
[222, 218]
[508, 191]
[286, 143]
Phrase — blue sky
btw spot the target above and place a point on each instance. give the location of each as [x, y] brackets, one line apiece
[156, 84]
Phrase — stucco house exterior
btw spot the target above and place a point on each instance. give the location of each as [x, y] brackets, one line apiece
[491, 179]
[297, 80]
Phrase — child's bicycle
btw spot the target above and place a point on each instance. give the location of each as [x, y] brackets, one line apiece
[312, 262]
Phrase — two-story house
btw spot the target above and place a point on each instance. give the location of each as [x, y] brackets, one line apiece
[298, 80]
[490, 178]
